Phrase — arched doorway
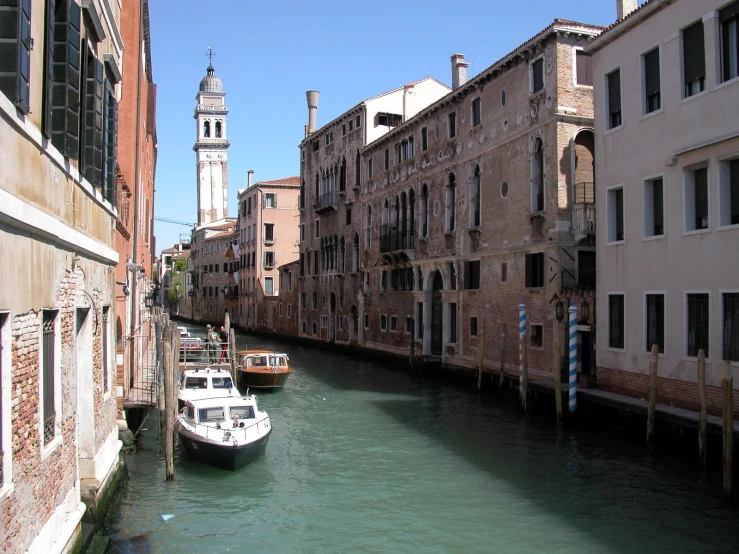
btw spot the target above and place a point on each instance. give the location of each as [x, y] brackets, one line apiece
[436, 315]
[332, 319]
[353, 324]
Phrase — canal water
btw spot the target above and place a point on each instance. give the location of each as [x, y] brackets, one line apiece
[365, 458]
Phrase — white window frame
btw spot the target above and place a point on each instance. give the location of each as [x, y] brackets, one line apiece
[607, 111]
[724, 192]
[609, 216]
[574, 68]
[643, 79]
[644, 319]
[645, 184]
[47, 449]
[711, 310]
[608, 319]
[543, 75]
[7, 486]
[690, 170]
[273, 286]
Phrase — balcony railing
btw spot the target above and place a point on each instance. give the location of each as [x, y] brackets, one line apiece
[391, 240]
[327, 200]
[582, 279]
[583, 218]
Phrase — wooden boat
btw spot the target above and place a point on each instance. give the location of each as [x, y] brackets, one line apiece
[204, 383]
[223, 432]
[263, 370]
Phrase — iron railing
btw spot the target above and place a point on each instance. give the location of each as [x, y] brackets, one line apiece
[327, 199]
[396, 240]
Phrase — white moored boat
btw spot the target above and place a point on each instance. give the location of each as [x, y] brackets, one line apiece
[223, 432]
[209, 382]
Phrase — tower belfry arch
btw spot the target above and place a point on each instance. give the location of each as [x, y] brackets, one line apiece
[211, 147]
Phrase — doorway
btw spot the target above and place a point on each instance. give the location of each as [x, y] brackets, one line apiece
[436, 315]
[584, 352]
[353, 324]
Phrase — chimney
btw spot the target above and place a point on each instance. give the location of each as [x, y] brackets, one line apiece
[624, 8]
[249, 178]
[459, 70]
[312, 97]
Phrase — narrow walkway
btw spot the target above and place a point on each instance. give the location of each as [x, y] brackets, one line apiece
[688, 418]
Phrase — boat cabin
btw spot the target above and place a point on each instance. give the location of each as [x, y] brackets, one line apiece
[265, 360]
[184, 333]
[204, 383]
[215, 415]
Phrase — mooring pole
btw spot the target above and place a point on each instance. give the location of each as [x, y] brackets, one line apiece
[168, 416]
[727, 384]
[557, 378]
[702, 444]
[521, 339]
[480, 354]
[653, 357]
[502, 359]
[232, 352]
[572, 312]
[525, 350]
[412, 346]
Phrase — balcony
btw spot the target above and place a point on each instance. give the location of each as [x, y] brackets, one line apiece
[578, 279]
[231, 292]
[583, 220]
[392, 240]
[327, 201]
[269, 240]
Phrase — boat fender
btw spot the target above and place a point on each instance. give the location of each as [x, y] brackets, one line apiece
[241, 424]
[218, 425]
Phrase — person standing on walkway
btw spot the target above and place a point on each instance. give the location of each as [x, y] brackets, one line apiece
[224, 345]
[213, 339]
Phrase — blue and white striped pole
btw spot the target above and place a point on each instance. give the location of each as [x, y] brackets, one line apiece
[573, 356]
[522, 337]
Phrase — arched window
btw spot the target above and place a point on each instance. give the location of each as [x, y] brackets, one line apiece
[475, 198]
[342, 175]
[357, 170]
[411, 217]
[368, 226]
[218, 129]
[537, 177]
[206, 129]
[423, 212]
[342, 256]
[451, 200]
[355, 253]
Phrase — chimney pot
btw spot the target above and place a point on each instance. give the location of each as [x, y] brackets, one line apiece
[249, 178]
[312, 97]
[459, 70]
[624, 8]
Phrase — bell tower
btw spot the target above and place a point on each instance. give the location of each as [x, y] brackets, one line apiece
[211, 147]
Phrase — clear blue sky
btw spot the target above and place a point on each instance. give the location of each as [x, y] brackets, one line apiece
[269, 53]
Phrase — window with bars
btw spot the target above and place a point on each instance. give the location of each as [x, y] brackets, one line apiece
[697, 338]
[47, 368]
[730, 326]
[616, 320]
[106, 370]
[694, 59]
[655, 322]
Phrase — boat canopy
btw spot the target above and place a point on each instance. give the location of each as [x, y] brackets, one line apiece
[265, 359]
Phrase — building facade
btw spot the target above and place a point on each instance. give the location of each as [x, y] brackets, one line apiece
[59, 95]
[175, 280]
[331, 176]
[268, 235]
[480, 202]
[667, 170]
[285, 320]
[213, 270]
[136, 169]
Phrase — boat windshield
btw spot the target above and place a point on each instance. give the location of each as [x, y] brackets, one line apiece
[256, 361]
[277, 361]
[222, 383]
[196, 383]
[242, 412]
[210, 414]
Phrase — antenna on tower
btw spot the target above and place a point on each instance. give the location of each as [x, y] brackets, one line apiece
[210, 54]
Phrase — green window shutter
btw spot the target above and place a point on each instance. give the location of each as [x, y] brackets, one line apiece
[65, 110]
[93, 122]
[15, 52]
[111, 146]
[48, 67]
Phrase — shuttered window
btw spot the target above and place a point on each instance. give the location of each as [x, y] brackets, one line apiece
[92, 152]
[729, 19]
[651, 81]
[48, 66]
[584, 63]
[694, 59]
[111, 144]
[15, 52]
[613, 82]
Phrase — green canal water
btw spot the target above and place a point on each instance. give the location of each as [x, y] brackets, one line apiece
[364, 458]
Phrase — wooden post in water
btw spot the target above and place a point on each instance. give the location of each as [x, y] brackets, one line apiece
[502, 360]
[525, 385]
[653, 356]
[727, 384]
[703, 409]
[480, 354]
[232, 352]
[227, 322]
[412, 346]
[557, 379]
[168, 354]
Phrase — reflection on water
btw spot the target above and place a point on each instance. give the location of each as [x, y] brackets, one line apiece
[364, 459]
